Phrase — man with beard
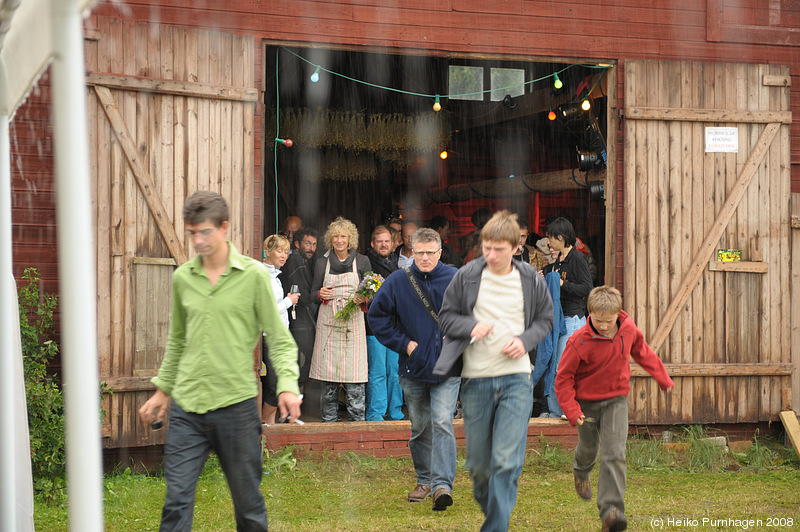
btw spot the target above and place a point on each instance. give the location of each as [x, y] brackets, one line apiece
[384, 395]
[299, 270]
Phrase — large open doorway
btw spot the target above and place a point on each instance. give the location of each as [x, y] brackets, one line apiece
[368, 144]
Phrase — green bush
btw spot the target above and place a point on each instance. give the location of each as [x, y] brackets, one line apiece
[44, 397]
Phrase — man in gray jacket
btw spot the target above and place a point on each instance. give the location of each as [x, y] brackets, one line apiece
[489, 329]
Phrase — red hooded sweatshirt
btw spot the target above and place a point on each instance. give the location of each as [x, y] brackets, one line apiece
[594, 367]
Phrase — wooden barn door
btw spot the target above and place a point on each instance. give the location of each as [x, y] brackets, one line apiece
[171, 112]
[722, 328]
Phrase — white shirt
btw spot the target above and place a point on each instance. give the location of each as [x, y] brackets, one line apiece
[499, 303]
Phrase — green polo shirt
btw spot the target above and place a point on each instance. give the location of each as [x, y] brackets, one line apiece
[209, 360]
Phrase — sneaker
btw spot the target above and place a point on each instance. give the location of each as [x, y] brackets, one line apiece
[614, 521]
[442, 498]
[583, 487]
[563, 416]
[419, 494]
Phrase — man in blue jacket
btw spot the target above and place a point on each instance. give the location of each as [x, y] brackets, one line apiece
[402, 322]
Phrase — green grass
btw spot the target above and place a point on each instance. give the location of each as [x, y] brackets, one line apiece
[351, 492]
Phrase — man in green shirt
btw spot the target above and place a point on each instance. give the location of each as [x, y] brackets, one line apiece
[221, 302]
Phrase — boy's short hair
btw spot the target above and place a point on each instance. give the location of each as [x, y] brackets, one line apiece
[205, 205]
[605, 300]
[276, 241]
[501, 227]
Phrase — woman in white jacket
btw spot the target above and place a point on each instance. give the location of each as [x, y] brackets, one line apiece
[276, 251]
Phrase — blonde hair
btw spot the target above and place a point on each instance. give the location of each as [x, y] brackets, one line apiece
[342, 226]
[502, 226]
[276, 241]
[604, 300]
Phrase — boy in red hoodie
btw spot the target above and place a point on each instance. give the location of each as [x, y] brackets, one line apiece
[592, 386]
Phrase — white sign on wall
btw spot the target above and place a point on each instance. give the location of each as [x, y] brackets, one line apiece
[722, 140]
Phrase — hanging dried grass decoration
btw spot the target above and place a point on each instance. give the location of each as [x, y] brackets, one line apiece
[352, 143]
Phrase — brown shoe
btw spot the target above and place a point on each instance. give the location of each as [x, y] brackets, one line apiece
[584, 488]
[419, 494]
[442, 498]
[614, 521]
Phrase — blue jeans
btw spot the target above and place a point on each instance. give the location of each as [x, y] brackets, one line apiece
[496, 415]
[432, 444]
[384, 395]
[233, 433]
[573, 324]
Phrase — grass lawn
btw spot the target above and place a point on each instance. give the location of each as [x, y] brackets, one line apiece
[349, 492]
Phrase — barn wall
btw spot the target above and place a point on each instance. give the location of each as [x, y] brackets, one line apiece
[33, 195]
[606, 30]
[600, 30]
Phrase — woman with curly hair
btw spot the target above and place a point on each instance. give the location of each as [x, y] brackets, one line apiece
[340, 348]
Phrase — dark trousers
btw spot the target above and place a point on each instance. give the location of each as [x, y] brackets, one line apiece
[608, 433]
[233, 433]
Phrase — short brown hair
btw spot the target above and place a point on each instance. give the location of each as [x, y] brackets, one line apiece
[501, 227]
[276, 241]
[342, 226]
[381, 229]
[604, 299]
[205, 205]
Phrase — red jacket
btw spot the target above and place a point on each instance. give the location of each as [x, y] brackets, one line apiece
[594, 367]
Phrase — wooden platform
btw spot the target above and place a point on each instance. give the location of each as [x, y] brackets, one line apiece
[390, 438]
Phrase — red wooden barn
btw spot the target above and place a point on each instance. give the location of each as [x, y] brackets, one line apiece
[688, 147]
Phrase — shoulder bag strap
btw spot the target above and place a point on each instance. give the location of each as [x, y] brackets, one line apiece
[421, 295]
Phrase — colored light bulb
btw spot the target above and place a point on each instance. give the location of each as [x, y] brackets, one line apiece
[437, 106]
[586, 105]
[551, 115]
[557, 83]
[315, 76]
[443, 155]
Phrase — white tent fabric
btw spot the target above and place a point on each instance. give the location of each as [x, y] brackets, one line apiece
[33, 34]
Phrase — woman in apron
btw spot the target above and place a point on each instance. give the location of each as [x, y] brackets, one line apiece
[340, 348]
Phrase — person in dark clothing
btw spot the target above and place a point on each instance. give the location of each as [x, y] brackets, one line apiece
[441, 225]
[401, 321]
[384, 395]
[299, 270]
[576, 283]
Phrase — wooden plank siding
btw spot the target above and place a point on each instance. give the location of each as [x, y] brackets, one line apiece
[735, 368]
[219, 44]
[170, 106]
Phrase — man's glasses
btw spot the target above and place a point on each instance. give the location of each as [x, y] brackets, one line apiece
[427, 253]
[203, 232]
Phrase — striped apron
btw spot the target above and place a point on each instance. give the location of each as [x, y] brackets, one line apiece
[340, 348]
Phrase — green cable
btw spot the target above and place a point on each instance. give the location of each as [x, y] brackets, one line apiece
[423, 95]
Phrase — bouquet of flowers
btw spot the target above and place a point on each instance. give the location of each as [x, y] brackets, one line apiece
[367, 288]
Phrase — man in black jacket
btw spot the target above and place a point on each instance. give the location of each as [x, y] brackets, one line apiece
[384, 395]
[299, 270]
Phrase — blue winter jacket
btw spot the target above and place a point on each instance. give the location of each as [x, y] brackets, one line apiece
[546, 350]
[396, 298]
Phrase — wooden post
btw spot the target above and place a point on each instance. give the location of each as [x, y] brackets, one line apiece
[790, 423]
[794, 287]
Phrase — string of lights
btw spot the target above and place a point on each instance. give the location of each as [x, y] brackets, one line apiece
[557, 83]
[437, 98]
